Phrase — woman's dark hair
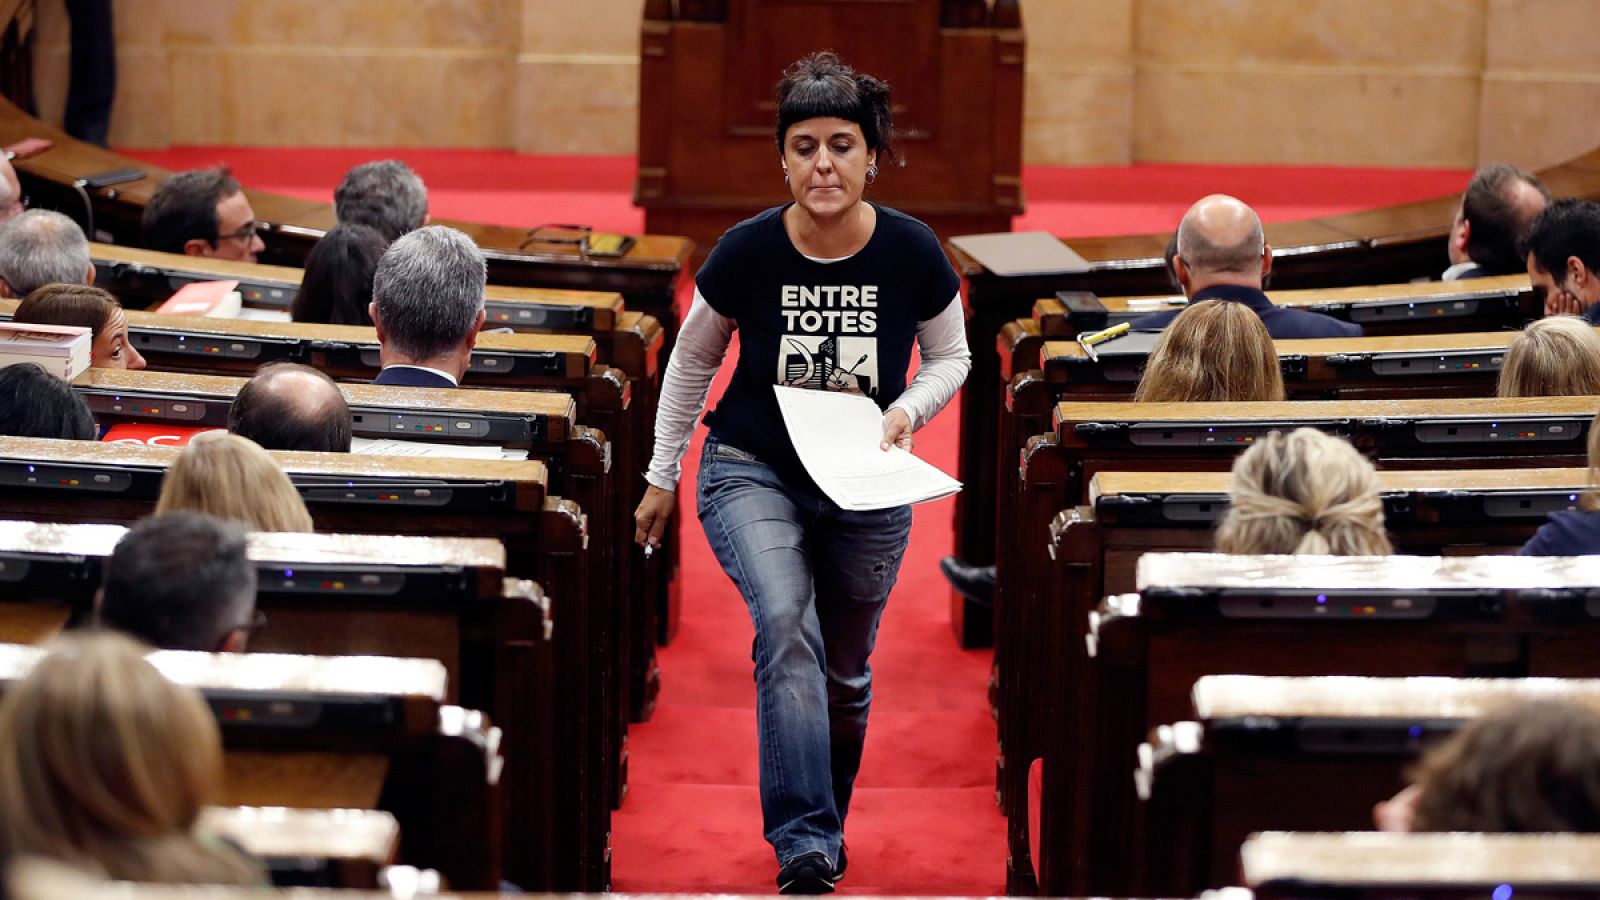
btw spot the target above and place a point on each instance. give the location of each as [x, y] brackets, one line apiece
[338, 282]
[77, 305]
[820, 86]
[34, 403]
[1529, 767]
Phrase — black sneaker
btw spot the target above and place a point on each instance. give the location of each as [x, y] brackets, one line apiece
[844, 861]
[808, 873]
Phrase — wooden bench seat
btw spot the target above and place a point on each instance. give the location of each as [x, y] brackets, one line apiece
[290, 722]
[646, 275]
[578, 458]
[1204, 614]
[1088, 438]
[1092, 551]
[545, 539]
[1301, 754]
[1365, 865]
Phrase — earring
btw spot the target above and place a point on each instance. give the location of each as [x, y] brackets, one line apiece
[785, 176]
[872, 174]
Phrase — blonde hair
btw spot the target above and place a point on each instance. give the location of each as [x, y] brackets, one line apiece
[1303, 492]
[1213, 350]
[1557, 356]
[232, 477]
[106, 766]
[1591, 498]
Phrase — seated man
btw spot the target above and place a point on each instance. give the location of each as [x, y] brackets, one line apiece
[287, 406]
[385, 196]
[42, 247]
[202, 213]
[427, 304]
[1500, 203]
[1223, 255]
[182, 581]
[1562, 249]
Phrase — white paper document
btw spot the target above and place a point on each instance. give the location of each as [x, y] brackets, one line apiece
[394, 447]
[837, 437]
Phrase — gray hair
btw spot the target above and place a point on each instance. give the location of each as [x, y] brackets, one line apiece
[384, 195]
[428, 290]
[42, 247]
[1202, 254]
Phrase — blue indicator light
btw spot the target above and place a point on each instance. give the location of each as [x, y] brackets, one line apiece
[1503, 892]
[1322, 598]
[288, 573]
[1416, 731]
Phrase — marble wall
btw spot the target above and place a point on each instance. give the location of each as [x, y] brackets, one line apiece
[1359, 82]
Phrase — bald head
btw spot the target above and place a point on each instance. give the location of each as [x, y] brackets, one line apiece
[1500, 203]
[292, 407]
[1220, 242]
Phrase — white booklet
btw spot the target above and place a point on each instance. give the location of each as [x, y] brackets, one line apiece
[837, 436]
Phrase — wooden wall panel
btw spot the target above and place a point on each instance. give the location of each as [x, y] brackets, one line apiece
[1421, 82]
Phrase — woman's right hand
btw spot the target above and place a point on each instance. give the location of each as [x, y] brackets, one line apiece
[650, 519]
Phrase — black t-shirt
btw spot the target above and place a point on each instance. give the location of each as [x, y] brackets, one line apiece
[837, 326]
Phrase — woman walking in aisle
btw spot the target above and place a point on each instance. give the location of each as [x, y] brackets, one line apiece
[828, 292]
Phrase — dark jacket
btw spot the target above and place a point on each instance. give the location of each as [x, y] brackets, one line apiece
[409, 376]
[1592, 314]
[1282, 324]
[1568, 533]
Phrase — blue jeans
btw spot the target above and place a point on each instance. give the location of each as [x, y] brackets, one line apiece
[815, 579]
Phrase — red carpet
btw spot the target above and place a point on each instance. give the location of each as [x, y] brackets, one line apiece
[924, 819]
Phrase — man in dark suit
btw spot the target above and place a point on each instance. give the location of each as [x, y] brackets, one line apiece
[427, 304]
[1500, 203]
[1223, 255]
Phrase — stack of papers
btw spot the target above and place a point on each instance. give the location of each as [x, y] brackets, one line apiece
[838, 438]
[61, 350]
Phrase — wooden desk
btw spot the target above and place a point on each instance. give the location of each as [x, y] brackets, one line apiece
[335, 848]
[376, 721]
[1363, 865]
[646, 275]
[1308, 754]
[545, 538]
[1428, 307]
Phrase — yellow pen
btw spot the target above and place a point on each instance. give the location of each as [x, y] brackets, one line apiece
[1106, 335]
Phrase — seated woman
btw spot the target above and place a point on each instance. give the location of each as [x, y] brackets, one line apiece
[1574, 532]
[337, 287]
[1554, 357]
[1303, 492]
[105, 766]
[34, 403]
[233, 478]
[84, 307]
[1213, 350]
[1528, 768]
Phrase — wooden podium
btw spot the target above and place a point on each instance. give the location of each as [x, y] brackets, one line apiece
[708, 155]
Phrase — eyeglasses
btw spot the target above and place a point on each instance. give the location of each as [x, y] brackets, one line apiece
[247, 232]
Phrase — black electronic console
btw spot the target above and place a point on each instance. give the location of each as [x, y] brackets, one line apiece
[126, 482]
[1328, 735]
[532, 314]
[1408, 364]
[428, 585]
[286, 718]
[32, 576]
[109, 404]
[504, 429]
[139, 285]
[1176, 434]
[458, 496]
[1521, 504]
[522, 363]
[1323, 605]
[150, 340]
[1551, 431]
